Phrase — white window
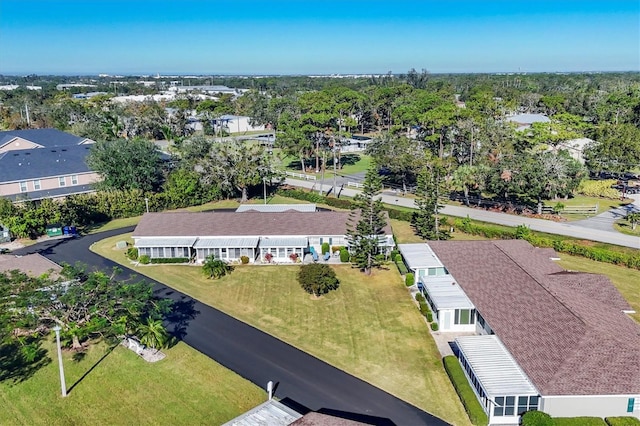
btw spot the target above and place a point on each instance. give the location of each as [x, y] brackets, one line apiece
[36, 185]
[74, 179]
[23, 186]
[62, 181]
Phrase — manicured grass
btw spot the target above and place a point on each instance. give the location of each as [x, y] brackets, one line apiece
[184, 388]
[604, 204]
[369, 327]
[624, 226]
[404, 233]
[626, 280]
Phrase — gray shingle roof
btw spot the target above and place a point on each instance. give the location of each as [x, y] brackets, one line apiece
[567, 339]
[25, 164]
[48, 138]
[51, 193]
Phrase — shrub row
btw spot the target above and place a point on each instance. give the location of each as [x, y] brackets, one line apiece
[489, 231]
[468, 398]
[29, 219]
[622, 421]
[578, 421]
[574, 248]
[340, 203]
[169, 260]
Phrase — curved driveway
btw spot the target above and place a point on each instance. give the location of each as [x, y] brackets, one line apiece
[301, 378]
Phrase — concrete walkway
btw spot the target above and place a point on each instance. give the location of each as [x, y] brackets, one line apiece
[541, 225]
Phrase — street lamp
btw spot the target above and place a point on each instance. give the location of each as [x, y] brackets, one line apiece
[63, 385]
[264, 183]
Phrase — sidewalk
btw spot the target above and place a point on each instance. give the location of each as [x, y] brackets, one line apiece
[541, 225]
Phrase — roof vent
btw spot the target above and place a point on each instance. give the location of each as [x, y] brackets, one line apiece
[63, 150]
[53, 150]
[27, 153]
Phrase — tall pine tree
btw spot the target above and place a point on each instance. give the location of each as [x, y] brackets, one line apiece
[426, 221]
[366, 225]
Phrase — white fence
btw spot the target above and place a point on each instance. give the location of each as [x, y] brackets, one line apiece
[355, 184]
[300, 175]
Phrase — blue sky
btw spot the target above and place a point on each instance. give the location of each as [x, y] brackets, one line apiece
[317, 37]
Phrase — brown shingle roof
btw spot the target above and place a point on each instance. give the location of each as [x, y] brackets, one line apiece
[31, 264]
[318, 419]
[225, 224]
[567, 339]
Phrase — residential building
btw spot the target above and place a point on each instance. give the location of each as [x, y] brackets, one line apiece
[545, 338]
[231, 235]
[33, 265]
[235, 124]
[40, 173]
[525, 120]
[38, 138]
[5, 235]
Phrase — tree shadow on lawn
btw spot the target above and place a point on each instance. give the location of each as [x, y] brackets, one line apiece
[18, 362]
[93, 367]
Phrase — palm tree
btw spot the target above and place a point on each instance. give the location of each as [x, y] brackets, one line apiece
[633, 218]
[215, 268]
[153, 334]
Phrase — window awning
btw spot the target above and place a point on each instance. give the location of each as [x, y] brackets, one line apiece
[165, 242]
[250, 242]
[284, 242]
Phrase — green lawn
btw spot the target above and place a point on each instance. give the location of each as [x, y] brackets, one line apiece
[603, 204]
[404, 233]
[626, 280]
[624, 226]
[369, 327]
[351, 163]
[184, 388]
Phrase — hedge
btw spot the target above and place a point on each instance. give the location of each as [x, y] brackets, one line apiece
[144, 259]
[468, 398]
[434, 326]
[622, 421]
[169, 260]
[492, 232]
[409, 280]
[578, 421]
[574, 248]
[402, 268]
[536, 418]
[344, 255]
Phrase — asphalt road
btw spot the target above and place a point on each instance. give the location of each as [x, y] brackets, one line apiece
[581, 230]
[302, 380]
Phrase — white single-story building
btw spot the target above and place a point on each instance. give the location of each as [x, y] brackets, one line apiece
[546, 339]
[235, 124]
[231, 235]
